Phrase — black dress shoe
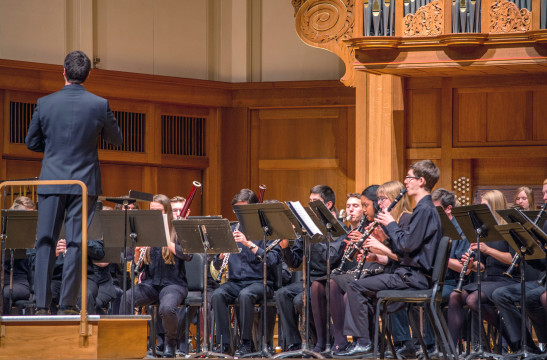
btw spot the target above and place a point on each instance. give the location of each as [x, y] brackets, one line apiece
[68, 310]
[406, 351]
[169, 351]
[294, 347]
[356, 350]
[243, 350]
[223, 349]
[42, 312]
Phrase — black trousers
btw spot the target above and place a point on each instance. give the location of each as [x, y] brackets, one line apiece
[287, 302]
[21, 291]
[248, 293]
[169, 297]
[51, 214]
[361, 300]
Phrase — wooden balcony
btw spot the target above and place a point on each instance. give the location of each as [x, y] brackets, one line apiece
[449, 38]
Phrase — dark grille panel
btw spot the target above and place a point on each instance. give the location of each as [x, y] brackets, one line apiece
[132, 126]
[182, 135]
[20, 114]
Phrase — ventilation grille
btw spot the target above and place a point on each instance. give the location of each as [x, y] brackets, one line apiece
[132, 126]
[20, 114]
[182, 135]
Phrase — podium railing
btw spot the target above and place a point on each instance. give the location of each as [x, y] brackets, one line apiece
[84, 330]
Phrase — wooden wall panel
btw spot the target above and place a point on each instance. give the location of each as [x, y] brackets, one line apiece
[506, 116]
[469, 118]
[424, 118]
[173, 181]
[539, 111]
[509, 171]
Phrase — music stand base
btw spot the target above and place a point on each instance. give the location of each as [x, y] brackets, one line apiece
[484, 355]
[209, 354]
[264, 353]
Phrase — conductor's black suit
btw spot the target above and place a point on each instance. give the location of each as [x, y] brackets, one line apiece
[66, 126]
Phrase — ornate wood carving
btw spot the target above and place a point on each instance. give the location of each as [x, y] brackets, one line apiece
[326, 24]
[427, 21]
[506, 17]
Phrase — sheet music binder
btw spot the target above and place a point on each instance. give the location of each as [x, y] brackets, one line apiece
[326, 217]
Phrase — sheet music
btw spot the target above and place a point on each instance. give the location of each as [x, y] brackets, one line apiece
[166, 226]
[304, 218]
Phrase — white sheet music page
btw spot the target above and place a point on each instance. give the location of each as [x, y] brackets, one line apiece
[166, 226]
[305, 218]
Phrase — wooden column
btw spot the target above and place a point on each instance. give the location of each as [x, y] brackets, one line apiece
[378, 149]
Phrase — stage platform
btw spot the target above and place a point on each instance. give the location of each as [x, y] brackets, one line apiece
[58, 337]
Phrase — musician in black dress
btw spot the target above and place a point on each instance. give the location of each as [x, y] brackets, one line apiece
[244, 283]
[289, 298]
[413, 250]
[495, 258]
[163, 278]
[507, 297]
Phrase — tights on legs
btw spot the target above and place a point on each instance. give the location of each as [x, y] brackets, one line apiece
[318, 298]
[337, 312]
[455, 313]
[543, 299]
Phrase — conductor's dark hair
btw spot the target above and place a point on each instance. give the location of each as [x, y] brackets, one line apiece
[77, 67]
[245, 195]
[370, 193]
[445, 197]
[326, 193]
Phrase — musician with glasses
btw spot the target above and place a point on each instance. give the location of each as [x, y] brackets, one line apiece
[413, 251]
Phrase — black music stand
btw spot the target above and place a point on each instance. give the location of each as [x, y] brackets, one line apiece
[520, 240]
[205, 236]
[532, 214]
[145, 228]
[478, 223]
[448, 228]
[18, 232]
[305, 224]
[264, 222]
[334, 228]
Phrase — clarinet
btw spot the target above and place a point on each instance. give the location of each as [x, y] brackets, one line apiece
[516, 258]
[346, 256]
[224, 264]
[366, 235]
[458, 288]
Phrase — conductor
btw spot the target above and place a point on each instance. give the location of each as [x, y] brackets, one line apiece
[66, 126]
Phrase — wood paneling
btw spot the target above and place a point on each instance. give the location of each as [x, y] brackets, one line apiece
[539, 111]
[424, 118]
[469, 118]
[179, 182]
[506, 116]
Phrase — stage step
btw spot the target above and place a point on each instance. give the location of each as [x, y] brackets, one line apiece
[58, 337]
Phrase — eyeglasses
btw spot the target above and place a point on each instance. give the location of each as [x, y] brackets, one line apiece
[412, 177]
[382, 198]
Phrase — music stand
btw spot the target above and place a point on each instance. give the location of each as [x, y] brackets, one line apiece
[520, 240]
[143, 226]
[448, 228]
[18, 232]
[304, 224]
[264, 222]
[334, 228]
[532, 214]
[205, 236]
[478, 224]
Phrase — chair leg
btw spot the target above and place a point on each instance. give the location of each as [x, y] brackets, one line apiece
[437, 320]
[416, 330]
[153, 319]
[388, 334]
[377, 327]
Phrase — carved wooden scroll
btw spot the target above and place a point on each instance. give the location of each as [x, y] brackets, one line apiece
[326, 24]
[427, 21]
[506, 17]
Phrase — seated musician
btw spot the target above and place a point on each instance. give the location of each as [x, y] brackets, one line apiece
[495, 258]
[412, 250]
[289, 298]
[21, 267]
[359, 214]
[244, 284]
[163, 278]
[506, 298]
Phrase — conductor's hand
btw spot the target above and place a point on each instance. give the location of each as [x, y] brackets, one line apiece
[61, 247]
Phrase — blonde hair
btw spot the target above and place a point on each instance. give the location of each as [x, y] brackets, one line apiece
[167, 255]
[391, 189]
[529, 194]
[496, 201]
